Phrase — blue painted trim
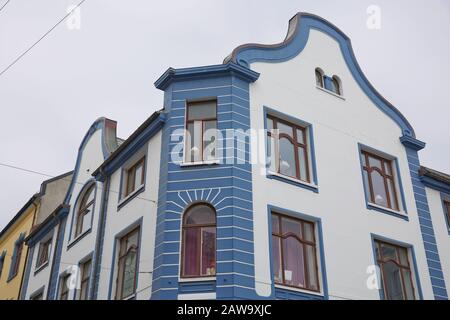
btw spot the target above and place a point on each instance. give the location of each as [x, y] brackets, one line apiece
[196, 287]
[412, 143]
[99, 124]
[299, 29]
[207, 71]
[54, 273]
[311, 152]
[398, 183]
[426, 226]
[435, 184]
[318, 224]
[131, 148]
[117, 236]
[411, 253]
[19, 242]
[86, 186]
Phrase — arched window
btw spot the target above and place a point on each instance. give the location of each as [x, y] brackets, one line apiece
[319, 77]
[336, 85]
[199, 242]
[84, 211]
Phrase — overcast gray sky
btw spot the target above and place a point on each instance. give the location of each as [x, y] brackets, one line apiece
[107, 68]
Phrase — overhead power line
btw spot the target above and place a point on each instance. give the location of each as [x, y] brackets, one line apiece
[41, 38]
[4, 5]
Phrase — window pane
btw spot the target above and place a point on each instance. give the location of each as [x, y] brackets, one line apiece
[275, 224]
[83, 291]
[209, 140]
[403, 253]
[191, 251]
[201, 110]
[194, 145]
[138, 176]
[132, 240]
[271, 154]
[287, 158]
[200, 214]
[393, 281]
[302, 160]
[409, 291]
[392, 194]
[319, 79]
[276, 256]
[130, 181]
[209, 251]
[388, 252]
[269, 124]
[375, 163]
[294, 272]
[87, 219]
[387, 166]
[312, 268]
[284, 128]
[129, 274]
[379, 189]
[300, 136]
[291, 226]
[308, 230]
[366, 183]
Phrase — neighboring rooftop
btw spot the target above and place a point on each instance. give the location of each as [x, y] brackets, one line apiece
[434, 174]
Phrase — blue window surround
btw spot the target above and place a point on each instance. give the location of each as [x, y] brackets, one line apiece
[311, 151]
[2, 262]
[72, 242]
[446, 198]
[123, 201]
[134, 225]
[417, 286]
[43, 266]
[58, 285]
[284, 293]
[19, 242]
[397, 182]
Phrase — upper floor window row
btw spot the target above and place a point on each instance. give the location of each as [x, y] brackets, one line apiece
[134, 177]
[332, 84]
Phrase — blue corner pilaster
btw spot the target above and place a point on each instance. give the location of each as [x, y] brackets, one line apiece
[412, 146]
[227, 186]
[51, 294]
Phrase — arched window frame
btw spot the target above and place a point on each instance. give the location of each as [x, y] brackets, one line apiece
[200, 227]
[83, 207]
[337, 84]
[319, 78]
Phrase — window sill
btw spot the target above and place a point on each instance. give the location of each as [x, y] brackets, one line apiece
[292, 289]
[41, 267]
[296, 182]
[395, 213]
[199, 163]
[78, 238]
[330, 92]
[199, 279]
[129, 197]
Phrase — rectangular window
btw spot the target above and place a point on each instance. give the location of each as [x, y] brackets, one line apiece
[287, 148]
[38, 296]
[447, 212]
[201, 131]
[44, 252]
[396, 273]
[135, 177]
[379, 180]
[294, 253]
[2, 262]
[127, 265]
[85, 269]
[15, 264]
[64, 288]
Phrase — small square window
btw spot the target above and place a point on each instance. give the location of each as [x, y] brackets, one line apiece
[134, 177]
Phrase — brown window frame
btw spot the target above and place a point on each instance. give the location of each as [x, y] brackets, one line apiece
[304, 243]
[42, 260]
[130, 175]
[122, 255]
[85, 278]
[16, 262]
[386, 178]
[83, 209]
[296, 144]
[64, 290]
[189, 121]
[398, 263]
[199, 257]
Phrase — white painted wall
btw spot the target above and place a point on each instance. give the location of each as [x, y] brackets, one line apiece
[441, 230]
[338, 125]
[141, 206]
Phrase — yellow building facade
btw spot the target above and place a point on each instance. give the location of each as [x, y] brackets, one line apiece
[13, 251]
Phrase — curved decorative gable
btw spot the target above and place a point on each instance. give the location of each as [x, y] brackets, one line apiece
[295, 41]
